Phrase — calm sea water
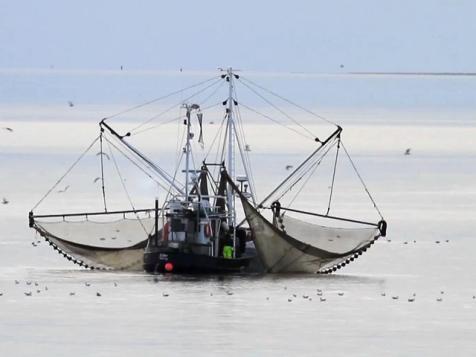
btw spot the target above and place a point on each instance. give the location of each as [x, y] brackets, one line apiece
[428, 199]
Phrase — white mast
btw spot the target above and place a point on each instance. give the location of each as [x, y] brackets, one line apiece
[231, 156]
[188, 149]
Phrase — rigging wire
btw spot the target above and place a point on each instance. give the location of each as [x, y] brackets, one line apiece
[361, 180]
[289, 101]
[176, 105]
[333, 175]
[279, 110]
[136, 164]
[66, 173]
[245, 154]
[159, 98]
[277, 122]
[312, 166]
[170, 121]
[125, 189]
[102, 170]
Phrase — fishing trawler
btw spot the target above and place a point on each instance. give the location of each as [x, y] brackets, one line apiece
[211, 220]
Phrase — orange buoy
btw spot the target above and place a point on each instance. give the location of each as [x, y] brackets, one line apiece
[169, 267]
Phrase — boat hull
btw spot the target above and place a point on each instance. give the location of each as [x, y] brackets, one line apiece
[168, 261]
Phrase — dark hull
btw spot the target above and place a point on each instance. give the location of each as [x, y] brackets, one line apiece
[189, 263]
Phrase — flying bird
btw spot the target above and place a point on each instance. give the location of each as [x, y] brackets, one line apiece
[97, 179]
[64, 189]
[5, 201]
[71, 104]
[408, 151]
[289, 167]
[8, 129]
[103, 153]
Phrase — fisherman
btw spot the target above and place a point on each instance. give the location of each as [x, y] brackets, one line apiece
[228, 249]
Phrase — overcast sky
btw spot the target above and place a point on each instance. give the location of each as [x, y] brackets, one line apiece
[416, 35]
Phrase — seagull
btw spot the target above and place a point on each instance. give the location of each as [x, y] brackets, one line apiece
[122, 68]
[247, 147]
[290, 300]
[70, 103]
[322, 299]
[289, 167]
[38, 291]
[439, 299]
[5, 201]
[305, 296]
[340, 294]
[165, 294]
[33, 244]
[64, 189]
[383, 294]
[395, 297]
[1, 294]
[229, 292]
[411, 299]
[28, 293]
[28, 283]
[87, 284]
[17, 282]
[98, 294]
[104, 154]
[8, 129]
[72, 293]
[407, 151]
[115, 284]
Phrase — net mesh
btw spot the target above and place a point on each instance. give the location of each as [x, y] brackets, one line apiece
[335, 240]
[117, 244]
[300, 247]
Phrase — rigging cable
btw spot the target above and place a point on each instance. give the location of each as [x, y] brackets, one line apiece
[66, 173]
[136, 164]
[279, 110]
[313, 166]
[176, 105]
[333, 175]
[289, 101]
[125, 189]
[361, 180]
[102, 169]
[159, 98]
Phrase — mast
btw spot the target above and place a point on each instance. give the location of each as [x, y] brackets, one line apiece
[231, 158]
[188, 150]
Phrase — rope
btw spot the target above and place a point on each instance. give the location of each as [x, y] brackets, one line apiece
[362, 181]
[333, 176]
[175, 105]
[102, 172]
[279, 110]
[125, 189]
[312, 167]
[135, 164]
[66, 173]
[159, 98]
[289, 101]
[277, 122]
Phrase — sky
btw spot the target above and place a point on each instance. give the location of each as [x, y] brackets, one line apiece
[307, 36]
